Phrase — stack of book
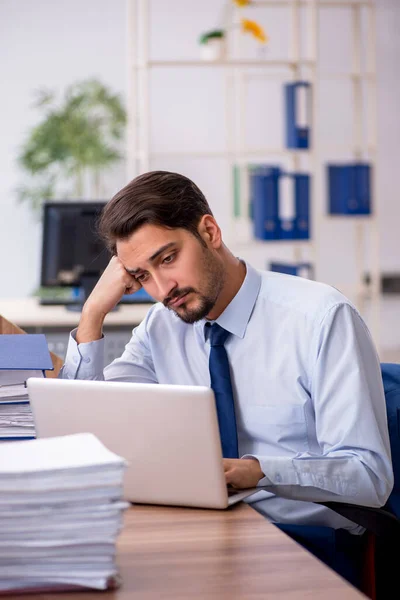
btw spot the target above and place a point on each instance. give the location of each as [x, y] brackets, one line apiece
[16, 419]
[21, 356]
[61, 511]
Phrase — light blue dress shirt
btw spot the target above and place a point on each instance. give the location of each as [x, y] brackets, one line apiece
[308, 391]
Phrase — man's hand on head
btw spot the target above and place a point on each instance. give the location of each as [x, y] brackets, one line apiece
[112, 285]
[242, 473]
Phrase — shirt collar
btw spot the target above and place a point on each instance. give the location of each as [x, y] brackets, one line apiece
[238, 312]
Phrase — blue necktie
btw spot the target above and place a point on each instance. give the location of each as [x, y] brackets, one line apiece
[222, 386]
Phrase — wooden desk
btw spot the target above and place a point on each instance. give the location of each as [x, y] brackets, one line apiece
[181, 553]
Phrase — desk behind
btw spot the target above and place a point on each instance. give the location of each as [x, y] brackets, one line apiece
[6, 327]
[56, 322]
[27, 312]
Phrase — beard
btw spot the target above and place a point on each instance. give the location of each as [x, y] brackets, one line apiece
[213, 281]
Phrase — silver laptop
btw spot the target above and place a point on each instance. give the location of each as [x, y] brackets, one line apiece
[168, 434]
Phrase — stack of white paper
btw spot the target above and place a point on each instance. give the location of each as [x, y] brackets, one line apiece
[16, 419]
[60, 513]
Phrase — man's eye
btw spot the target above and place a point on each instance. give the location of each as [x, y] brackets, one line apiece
[141, 278]
[169, 259]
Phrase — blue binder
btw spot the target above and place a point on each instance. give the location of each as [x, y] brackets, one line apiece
[24, 352]
[342, 197]
[363, 187]
[303, 269]
[302, 195]
[298, 111]
[349, 189]
[286, 207]
[264, 201]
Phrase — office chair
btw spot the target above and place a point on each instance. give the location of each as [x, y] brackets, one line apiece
[381, 580]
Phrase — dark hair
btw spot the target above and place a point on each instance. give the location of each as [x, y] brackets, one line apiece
[157, 198]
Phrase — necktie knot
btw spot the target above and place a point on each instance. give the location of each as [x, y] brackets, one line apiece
[218, 335]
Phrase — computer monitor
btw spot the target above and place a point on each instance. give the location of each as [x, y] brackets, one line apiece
[72, 253]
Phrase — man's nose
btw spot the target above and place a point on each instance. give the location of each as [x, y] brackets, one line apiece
[165, 286]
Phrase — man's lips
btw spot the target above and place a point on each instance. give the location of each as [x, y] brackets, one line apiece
[178, 301]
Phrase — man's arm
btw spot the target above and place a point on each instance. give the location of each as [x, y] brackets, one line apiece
[85, 354]
[354, 462]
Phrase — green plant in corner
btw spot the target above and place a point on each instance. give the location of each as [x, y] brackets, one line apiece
[77, 139]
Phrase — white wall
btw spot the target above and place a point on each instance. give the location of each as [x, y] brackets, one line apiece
[388, 55]
[47, 43]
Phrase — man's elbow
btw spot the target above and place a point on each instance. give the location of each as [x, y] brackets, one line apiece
[388, 487]
[377, 495]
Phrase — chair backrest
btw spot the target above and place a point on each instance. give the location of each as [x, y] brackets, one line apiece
[391, 384]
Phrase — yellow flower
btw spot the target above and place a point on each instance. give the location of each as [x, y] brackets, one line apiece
[255, 29]
[242, 2]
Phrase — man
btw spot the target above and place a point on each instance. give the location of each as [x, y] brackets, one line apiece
[307, 408]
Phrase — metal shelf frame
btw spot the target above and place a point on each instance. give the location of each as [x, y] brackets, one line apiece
[236, 73]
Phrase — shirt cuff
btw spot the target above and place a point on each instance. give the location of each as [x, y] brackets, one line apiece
[84, 361]
[278, 470]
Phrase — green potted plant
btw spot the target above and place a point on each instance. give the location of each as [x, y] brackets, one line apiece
[78, 138]
[213, 43]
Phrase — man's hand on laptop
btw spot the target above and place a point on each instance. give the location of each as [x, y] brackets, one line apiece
[242, 473]
[112, 285]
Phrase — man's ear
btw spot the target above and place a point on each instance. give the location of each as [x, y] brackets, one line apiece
[210, 231]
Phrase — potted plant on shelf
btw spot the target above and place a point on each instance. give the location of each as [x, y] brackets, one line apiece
[78, 138]
[213, 44]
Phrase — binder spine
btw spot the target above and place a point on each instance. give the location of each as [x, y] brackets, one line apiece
[264, 202]
[287, 209]
[303, 269]
[363, 186]
[298, 109]
[302, 203]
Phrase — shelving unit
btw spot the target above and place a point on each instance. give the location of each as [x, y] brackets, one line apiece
[303, 62]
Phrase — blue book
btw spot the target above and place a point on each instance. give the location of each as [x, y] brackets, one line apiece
[17, 437]
[264, 194]
[24, 352]
[21, 356]
[5, 401]
[298, 111]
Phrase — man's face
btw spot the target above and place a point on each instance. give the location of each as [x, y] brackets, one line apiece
[175, 268]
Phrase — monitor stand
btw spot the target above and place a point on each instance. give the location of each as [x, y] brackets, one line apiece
[88, 282]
